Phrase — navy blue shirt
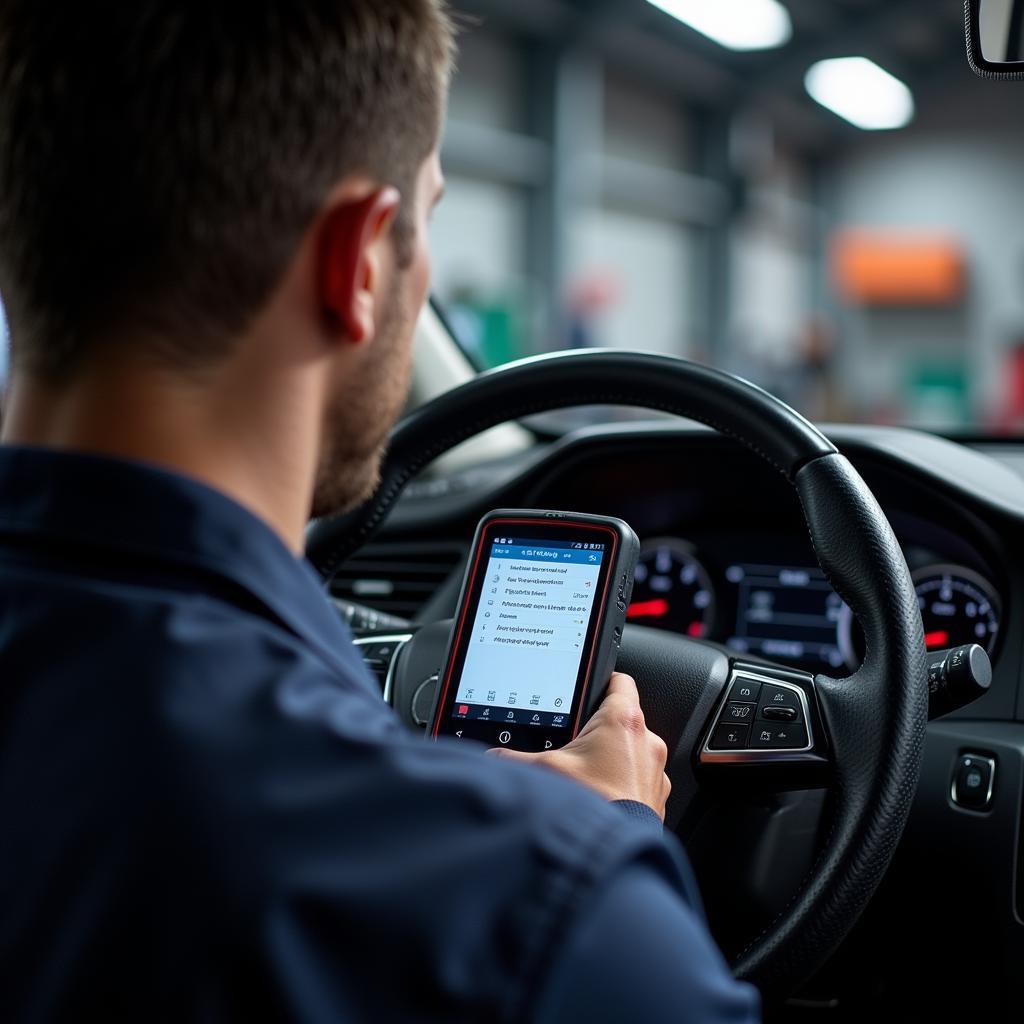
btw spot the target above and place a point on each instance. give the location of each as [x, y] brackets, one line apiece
[207, 812]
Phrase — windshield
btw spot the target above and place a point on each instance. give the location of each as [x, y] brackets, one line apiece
[818, 196]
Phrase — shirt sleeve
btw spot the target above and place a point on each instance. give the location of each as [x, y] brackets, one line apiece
[640, 812]
[640, 953]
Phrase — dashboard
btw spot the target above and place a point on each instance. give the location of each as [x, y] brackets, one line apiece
[726, 555]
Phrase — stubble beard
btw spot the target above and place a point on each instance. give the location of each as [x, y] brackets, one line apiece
[357, 425]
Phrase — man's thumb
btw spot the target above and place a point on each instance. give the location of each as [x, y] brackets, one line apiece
[513, 755]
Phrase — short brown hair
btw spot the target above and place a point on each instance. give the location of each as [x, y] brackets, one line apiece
[160, 161]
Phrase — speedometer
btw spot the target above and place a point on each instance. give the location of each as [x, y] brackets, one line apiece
[671, 589]
[957, 607]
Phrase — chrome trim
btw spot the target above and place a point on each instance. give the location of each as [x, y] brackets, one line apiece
[393, 638]
[416, 693]
[991, 762]
[752, 755]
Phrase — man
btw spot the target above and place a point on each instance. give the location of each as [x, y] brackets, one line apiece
[214, 252]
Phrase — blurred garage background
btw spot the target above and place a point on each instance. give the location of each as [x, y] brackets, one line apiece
[816, 194]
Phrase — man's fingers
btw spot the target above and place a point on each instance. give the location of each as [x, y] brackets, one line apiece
[622, 684]
[622, 704]
[622, 694]
[659, 747]
[513, 755]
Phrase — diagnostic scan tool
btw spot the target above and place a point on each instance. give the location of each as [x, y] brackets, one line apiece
[537, 629]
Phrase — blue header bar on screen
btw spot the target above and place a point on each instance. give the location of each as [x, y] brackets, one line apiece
[539, 552]
[547, 542]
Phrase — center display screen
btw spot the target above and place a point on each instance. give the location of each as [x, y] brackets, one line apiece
[789, 614]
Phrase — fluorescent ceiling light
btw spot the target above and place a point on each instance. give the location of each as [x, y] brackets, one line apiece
[736, 24]
[858, 90]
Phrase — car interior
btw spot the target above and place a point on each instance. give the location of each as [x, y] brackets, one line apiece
[667, 223]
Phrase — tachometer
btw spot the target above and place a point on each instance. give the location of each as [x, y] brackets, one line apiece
[672, 590]
[957, 606]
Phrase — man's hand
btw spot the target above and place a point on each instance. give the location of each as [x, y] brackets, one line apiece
[615, 753]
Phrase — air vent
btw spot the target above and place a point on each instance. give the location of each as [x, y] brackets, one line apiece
[397, 578]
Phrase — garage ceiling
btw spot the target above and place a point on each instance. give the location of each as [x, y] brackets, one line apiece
[920, 41]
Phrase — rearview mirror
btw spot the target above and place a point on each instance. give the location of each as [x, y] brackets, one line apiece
[995, 37]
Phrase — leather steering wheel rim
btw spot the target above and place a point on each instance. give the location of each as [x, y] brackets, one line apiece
[875, 719]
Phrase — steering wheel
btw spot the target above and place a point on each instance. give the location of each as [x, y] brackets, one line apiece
[864, 734]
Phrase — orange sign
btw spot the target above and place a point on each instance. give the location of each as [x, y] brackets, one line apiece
[897, 269]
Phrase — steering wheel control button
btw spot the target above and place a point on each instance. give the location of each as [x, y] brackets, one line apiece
[730, 737]
[737, 713]
[770, 725]
[776, 697]
[778, 737]
[745, 690]
[974, 782]
[781, 714]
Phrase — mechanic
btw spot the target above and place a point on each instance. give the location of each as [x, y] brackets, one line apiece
[214, 251]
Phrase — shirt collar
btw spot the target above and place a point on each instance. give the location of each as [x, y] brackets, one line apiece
[141, 509]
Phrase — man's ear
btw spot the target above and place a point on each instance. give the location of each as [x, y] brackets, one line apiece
[350, 253]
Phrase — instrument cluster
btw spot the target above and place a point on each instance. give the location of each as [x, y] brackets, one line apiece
[788, 612]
